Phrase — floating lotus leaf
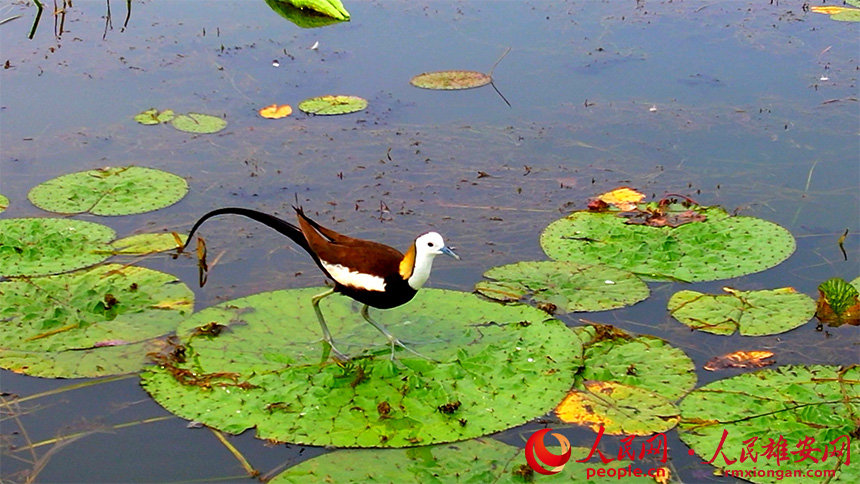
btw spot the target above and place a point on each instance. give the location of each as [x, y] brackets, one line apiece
[39, 246]
[307, 18]
[153, 116]
[330, 105]
[255, 362]
[563, 286]
[484, 460]
[814, 406]
[198, 123]
[449, 80]
[4, 202]
[717, 248]
[89, 323]
[142, 244]
[110, 191]
[620, 409]
[752, 313]
[646, 362]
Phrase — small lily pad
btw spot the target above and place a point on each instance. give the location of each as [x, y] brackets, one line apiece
[331, 105]
[719, 247]
[39, 246]
[110, 191]
[563, 286]
[741, 423]
[752, 313]
[198, 123]
[255, 362]
[484, 460]
[89, 323]
[4, 203]
[143, 244]
[644, 361]
[451, 80]
[153, 116]
[619, 409]
[310, 13]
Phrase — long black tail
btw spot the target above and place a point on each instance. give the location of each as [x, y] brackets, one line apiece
[281, 226]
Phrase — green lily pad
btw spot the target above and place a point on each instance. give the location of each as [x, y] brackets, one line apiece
[198, 123]
[720, 247]
[330, 105]
[484, 460]
[4, 202]
[813, 406]
[450, 80]
[752, 313]
[563, 286]
[89, 323]
[644, 361]
[304, 18]
[255, 362]
[110, 191]
[39, 246]
[143, 244]
[329, 8]
[153, 116]
[620, 409]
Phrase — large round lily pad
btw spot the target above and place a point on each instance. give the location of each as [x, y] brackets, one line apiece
[719, 247]
[88, 323]
[642, 361]
[450, 80]
[255, 362]
[331, 105]
[731, 423]
[110, 191]
[752, 313]
[484, 460]
[198, 123]
[563, 286]
[39, 246]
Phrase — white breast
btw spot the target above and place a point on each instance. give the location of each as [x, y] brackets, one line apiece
[355, 279]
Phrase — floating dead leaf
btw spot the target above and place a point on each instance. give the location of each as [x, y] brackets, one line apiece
[625, 198]
[663, 476]
[202, 267]
[276, 111]
[830, 10]
[740, 359]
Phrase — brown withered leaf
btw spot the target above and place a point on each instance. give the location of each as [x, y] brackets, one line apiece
[740, 359]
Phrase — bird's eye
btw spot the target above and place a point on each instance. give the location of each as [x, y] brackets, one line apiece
[429, 244]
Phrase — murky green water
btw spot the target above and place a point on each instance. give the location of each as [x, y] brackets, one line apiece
[748, 105]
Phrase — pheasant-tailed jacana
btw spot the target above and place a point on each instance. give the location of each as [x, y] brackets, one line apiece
[373, 274]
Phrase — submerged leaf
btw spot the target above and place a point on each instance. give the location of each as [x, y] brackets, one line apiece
[198, 123]
[731, 423]
[752, 313]
[331, 105]
[143, 244]
[497, 367]
[88, 323]
[122, 190]
[563, 286]
[450, 80]
[39, 246]
[838, 303]
[740, 359]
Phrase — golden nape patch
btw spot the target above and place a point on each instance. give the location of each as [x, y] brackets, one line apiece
[407, 265]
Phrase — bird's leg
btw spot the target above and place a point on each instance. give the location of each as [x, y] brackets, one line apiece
[391, 338]
[315, 302]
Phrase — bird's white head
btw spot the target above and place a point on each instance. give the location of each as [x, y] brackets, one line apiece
[427, 246]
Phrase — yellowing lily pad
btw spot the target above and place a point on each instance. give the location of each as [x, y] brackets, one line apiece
[450, 80]
[110, 191]
[752, 313]
[275, 111]
[39, 246]
[331, 105]
[198, 123]
[258, 362]
[563, 286]
[740, 424]
[89, 323]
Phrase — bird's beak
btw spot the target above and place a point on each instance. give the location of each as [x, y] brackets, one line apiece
[447, 251]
